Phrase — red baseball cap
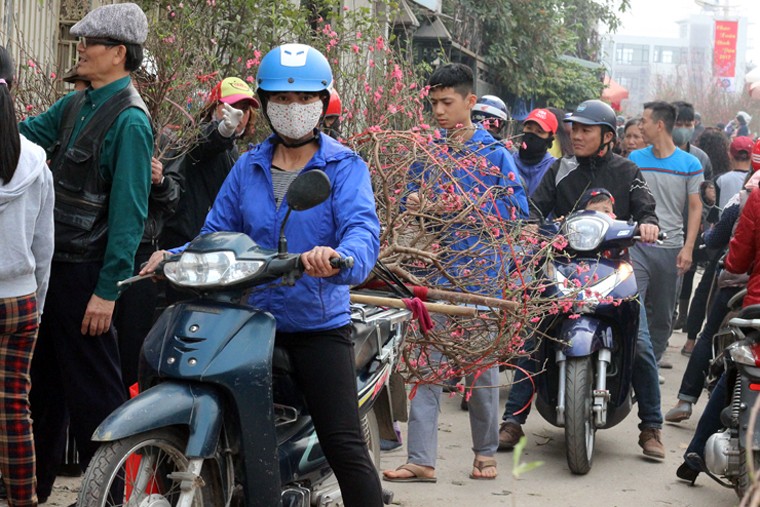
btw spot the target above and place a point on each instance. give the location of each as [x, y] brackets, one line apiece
[756, 156]
[739, 144]
[545, 119]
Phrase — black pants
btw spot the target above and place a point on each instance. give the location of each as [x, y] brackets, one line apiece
[693, 380]
[74, 377]
[133, 319]
[324, 370]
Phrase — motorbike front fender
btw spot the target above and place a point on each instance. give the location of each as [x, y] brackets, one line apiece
[169, 404]
[585, 335]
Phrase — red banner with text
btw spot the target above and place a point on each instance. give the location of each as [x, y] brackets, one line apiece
[724, 56]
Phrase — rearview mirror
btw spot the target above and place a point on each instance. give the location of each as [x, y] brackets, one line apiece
[308, 190]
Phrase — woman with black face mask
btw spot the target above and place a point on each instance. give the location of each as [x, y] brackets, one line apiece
[532, 157]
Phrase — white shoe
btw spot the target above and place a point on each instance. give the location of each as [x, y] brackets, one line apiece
[661, 379]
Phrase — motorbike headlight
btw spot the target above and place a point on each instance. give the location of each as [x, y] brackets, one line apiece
[210, 268]
[585, 233]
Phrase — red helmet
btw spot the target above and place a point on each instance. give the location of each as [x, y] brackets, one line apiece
[334, 107]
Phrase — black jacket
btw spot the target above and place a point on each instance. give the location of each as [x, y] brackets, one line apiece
[569, 177]
[162, 204]
[204, 168]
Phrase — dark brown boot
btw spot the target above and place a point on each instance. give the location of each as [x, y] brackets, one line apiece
[509, 435]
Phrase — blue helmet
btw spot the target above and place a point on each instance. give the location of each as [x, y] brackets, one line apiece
[489, 107]
[294, 68]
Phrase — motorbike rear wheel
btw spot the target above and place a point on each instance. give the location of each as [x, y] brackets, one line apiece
[579, 416]
[133, 471]
[744, 482]
[371, 432]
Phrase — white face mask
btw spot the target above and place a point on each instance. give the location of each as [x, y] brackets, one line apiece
[294, 121]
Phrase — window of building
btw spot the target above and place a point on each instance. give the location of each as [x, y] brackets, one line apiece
[632, 54]
[670, 54]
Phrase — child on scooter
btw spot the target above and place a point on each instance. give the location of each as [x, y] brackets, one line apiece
[598, 199]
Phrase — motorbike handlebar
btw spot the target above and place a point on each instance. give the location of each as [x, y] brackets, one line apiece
[133, 279]
[660, 237]
[342, 262]
[281, 266]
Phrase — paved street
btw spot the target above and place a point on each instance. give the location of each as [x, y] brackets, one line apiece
[621, 477]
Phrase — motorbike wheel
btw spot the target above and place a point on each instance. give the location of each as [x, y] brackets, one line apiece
[116, 477]
[579, 416]
[371, 432]
[744, 482]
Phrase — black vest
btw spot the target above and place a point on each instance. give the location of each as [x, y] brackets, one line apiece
[81, 192]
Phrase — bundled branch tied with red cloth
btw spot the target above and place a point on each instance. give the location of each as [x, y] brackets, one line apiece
[456, 236]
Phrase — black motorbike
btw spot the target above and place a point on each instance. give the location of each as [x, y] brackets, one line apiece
[730, 451]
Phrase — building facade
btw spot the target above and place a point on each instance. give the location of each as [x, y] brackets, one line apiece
[646, 64]
[38, 30]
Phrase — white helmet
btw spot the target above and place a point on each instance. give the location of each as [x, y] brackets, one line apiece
[744, 116]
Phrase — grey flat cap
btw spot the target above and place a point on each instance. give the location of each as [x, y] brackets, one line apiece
[122, 22]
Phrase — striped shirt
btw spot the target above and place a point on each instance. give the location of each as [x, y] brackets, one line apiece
[671, 179]
[281, 181]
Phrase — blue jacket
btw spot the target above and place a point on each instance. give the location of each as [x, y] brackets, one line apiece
[532, 174]
[346, 222]
[484, 144]
[461, 238]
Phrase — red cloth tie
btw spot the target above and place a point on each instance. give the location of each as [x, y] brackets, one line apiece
[420, 312]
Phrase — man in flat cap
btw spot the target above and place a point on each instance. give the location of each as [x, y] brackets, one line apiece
[99, 142]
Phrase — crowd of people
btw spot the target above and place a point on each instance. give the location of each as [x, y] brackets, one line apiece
[89, 204]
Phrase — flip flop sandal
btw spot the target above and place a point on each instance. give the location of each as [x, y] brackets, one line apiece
[417, 471]
[480, 464]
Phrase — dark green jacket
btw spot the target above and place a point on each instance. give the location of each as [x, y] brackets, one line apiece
[125, 161]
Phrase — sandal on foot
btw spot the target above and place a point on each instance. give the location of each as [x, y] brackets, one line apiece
[419, 474]
[480, 464]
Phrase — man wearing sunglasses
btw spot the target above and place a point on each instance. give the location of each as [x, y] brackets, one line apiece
[99, 142]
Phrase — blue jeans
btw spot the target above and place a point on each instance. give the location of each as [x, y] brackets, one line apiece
[710, 422]
[698, 306]
[645, 383]
[521, 390]
[694, 377]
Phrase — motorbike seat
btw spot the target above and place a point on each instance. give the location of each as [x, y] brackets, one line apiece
[750, 312]
[365, 339]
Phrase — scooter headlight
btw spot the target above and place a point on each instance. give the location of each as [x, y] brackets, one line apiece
[210, 268]
[585, 232]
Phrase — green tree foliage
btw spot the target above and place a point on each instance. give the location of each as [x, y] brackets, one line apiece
[526, 40]
[194, 44]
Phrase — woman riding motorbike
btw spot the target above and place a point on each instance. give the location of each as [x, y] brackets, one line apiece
[313, 317]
